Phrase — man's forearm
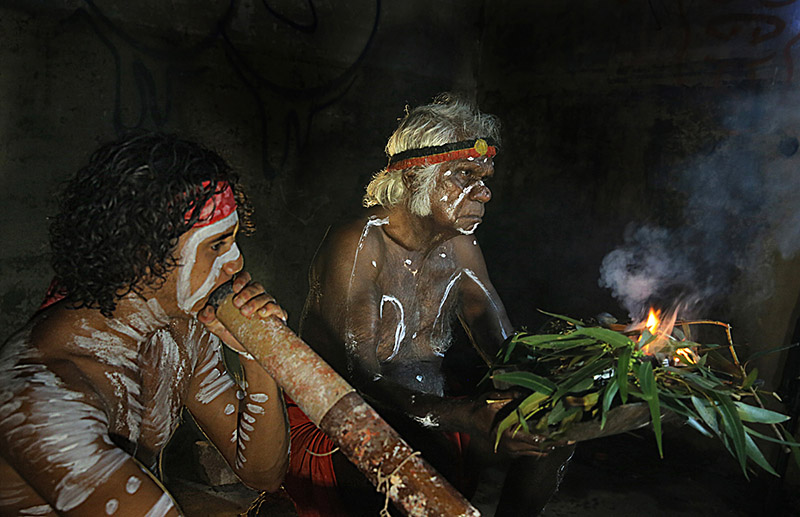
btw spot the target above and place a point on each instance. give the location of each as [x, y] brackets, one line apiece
[261, 436]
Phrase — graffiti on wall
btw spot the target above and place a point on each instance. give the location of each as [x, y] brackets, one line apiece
[146, 71]
[738, 39]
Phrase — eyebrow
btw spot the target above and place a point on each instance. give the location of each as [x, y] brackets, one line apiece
[226, 235]
[222, 237]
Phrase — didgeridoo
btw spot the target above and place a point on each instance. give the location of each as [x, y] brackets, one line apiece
[365, 438]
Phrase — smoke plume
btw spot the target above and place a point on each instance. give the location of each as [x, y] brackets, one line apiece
[742, 210]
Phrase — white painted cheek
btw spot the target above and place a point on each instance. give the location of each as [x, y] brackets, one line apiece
[452, 208]
[187, 299]
[208, 285]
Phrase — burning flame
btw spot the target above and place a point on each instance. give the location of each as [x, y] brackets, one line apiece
[659, 327]
[663, 341]
[686, 356]
[653, 321]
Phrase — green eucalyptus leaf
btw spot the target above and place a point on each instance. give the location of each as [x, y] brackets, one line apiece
[587, 371]
[608, 397]
[615, 339]
[759, 415]
[523, 422]
[575, 322]
[757, 456]
[732, 426]
[527, 380]
[647, 383]
[789, 443]
[707, 413]
[510, 348]
[697, 426]
[750, 379]
[795, 450]
[623, 365]
[558, 412]
[762, 353]
[537, 340]
[532, 403]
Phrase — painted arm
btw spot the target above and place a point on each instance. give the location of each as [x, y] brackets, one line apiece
[480, 307]
[248, 423]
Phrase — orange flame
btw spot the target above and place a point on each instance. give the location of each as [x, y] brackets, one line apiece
[653, 321]
[658, 327]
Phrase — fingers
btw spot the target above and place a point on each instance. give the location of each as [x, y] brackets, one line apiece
[251, 299]
[241, 280]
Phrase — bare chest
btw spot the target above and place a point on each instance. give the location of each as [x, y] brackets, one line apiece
[148, 399]
[419, 301]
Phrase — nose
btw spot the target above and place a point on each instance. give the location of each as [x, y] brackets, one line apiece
[235, 264]
[480, 193]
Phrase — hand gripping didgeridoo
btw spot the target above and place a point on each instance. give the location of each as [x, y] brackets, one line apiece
[331, 403]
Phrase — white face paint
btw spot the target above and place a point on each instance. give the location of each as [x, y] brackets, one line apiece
[186, 298]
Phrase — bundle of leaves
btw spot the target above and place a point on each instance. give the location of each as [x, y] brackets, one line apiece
[584, 372]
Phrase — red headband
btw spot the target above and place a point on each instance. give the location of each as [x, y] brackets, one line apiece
[220, 206]
[442, 153]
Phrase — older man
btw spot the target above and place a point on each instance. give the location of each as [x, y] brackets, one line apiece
[386, 291]
[93, 386]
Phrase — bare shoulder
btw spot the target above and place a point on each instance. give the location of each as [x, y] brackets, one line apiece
[467, 251]
[54, 329]
[357, 240]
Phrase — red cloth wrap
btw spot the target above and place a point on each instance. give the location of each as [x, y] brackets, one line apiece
[311, 480]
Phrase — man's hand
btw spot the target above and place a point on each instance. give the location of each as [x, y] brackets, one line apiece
[520, 443]
[252, 300]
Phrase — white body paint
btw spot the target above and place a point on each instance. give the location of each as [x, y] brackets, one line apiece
[400, 332]
[371, 223]
[475, 279]
[438, 350]
[429, 420]
[186, 298]
[146, 374]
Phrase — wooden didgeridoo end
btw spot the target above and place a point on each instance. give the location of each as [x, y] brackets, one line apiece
[365, 438]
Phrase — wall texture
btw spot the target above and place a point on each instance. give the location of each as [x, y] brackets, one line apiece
[675, 116]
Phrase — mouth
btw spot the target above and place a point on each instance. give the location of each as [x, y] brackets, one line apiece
[470, 219]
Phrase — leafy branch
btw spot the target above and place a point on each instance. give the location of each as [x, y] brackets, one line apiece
[586, 373]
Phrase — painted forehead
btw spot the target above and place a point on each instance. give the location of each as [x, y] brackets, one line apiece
[482, 165]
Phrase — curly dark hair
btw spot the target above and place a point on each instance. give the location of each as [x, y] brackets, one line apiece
[120, 217]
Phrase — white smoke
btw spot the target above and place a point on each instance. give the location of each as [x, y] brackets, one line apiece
[742, 209]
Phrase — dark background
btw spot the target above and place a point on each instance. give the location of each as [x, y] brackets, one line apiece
[677, 115]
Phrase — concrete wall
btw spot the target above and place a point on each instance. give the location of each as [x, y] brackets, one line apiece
[620, 114]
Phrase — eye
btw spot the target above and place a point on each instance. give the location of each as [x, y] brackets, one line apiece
[217, 246]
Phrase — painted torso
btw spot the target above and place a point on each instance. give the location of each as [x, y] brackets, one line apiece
[68, 384]
[417, 298]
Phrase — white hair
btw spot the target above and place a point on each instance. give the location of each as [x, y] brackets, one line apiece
[446, 120]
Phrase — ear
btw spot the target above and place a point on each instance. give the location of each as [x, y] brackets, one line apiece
[409, 176]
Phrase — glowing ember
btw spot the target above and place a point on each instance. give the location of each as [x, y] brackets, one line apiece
[686, 356]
